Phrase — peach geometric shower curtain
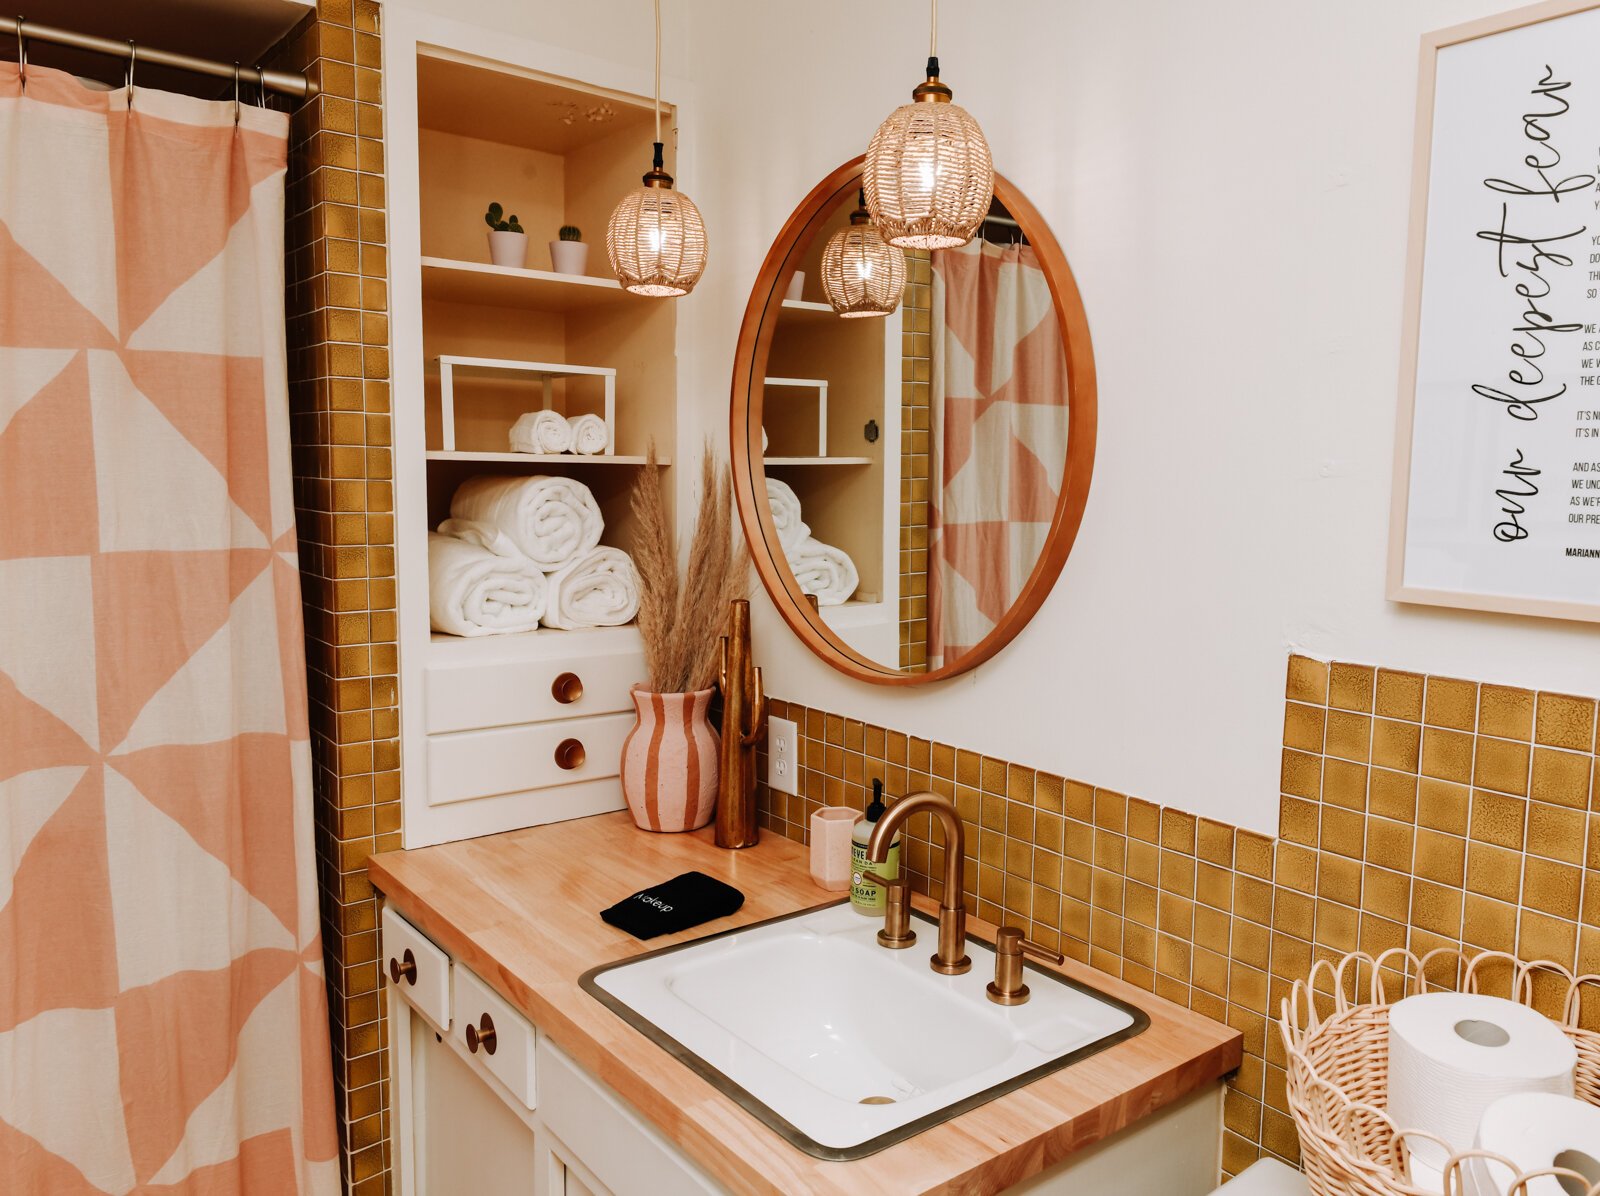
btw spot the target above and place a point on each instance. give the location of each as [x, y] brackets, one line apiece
[999, 422]
[163, 1024]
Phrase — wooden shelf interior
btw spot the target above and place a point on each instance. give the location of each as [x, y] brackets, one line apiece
[552, 151]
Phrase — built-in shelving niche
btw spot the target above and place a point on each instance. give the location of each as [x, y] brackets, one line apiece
[553, 152]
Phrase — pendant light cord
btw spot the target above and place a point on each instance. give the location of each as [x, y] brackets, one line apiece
[658, 69]
[933, 31]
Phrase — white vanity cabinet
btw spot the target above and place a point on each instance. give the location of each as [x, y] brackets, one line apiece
[485, 1105]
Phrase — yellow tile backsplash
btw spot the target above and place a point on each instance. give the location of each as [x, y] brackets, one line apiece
[1413, 811]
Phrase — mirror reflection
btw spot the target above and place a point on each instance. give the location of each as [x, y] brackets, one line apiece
[915, 440]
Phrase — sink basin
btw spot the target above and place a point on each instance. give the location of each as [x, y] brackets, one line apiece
[842, 1046]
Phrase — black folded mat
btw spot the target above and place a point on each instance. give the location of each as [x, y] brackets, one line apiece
[674, 905]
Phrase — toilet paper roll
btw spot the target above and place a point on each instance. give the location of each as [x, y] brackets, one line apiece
[1537, 1131]
[1452, 1055]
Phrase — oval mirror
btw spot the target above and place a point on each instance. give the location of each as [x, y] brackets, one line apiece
[911, 480]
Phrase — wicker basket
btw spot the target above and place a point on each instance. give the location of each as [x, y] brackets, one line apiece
[1338, 1062]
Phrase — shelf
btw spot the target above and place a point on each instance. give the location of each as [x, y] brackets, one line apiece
[541, 458]
[816, 460]
[804, 311]
[543, 644]
[853, 613]
[529, 290]
[545, 371]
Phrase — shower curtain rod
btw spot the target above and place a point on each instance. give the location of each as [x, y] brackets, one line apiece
[285, 81]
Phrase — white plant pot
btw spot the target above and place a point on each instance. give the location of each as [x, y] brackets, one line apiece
[569, 257]
[508, 249]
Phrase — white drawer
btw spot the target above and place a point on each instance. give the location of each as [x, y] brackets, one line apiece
[417, 970]
[466, 697]
[495, 1035]
[625, 1153]
[473, 764]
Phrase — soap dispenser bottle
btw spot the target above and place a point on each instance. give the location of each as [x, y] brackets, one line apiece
[866, 897]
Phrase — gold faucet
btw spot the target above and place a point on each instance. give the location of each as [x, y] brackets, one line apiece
[951, 957]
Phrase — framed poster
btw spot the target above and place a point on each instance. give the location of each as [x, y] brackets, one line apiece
[1496, 502]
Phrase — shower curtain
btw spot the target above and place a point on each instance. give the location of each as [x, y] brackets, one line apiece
[163, 1023]
[999, 423]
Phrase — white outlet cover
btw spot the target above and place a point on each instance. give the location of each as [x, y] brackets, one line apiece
[783, 764]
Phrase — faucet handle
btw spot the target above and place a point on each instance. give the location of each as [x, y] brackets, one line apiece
[896, 933]
[1010, 946]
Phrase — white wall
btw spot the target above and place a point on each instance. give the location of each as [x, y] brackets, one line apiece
[1230, 180]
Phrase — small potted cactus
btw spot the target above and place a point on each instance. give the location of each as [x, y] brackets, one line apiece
[568, 254]
[508, 243]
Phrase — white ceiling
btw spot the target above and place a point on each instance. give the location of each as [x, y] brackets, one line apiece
[227, 30]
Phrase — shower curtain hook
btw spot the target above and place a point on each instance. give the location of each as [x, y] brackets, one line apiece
[261, 86]
[133, 61]
[236, 91]
[22, 53]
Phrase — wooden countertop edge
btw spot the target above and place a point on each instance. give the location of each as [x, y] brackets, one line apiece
[702, 1128]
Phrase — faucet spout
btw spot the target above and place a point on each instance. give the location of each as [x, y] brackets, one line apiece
[951, 959]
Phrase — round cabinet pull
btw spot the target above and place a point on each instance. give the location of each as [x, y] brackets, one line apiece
[481, 1035]
[567, 688]
[404, 968]
[570, 754]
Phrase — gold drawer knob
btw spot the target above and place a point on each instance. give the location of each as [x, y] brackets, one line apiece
[481, 1035]
[570, 754]
[567, 688]
[404, 968]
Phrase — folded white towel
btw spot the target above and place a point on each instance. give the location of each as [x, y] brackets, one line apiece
[823, 570]
[599, 589]
[589, 435]
[473, 591]
[785, 506]
[550, 520]
[541, 432]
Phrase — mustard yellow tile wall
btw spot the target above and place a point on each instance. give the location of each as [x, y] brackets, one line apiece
[916, 468]
[1414, 810]
[336, 273]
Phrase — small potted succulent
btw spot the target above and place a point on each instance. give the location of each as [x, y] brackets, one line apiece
[568, 254]
[508, 243]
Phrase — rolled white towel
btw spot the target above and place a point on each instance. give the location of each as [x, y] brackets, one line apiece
[473, 591]
[541, 432]
[823, 570]
[785, 506]
[550, 520]
[599, 589]
[589, 436]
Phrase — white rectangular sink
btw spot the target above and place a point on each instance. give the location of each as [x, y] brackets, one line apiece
[845, 1047]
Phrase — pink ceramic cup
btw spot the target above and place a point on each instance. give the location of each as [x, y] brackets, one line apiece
[831, 827]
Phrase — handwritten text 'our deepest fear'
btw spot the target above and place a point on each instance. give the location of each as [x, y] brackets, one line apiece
[1536, 240]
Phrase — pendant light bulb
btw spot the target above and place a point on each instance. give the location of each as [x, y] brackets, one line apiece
[862, 274]
[656, 239]
[929, 175]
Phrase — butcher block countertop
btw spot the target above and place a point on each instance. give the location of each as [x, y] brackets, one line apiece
[521, 910]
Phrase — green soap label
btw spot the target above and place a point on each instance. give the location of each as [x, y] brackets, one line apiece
[863, 893]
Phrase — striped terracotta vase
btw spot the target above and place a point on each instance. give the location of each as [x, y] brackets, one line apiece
[669, 761]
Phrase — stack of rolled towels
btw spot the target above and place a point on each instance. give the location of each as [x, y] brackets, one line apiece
[821, 569]
[1472, 1072]
[521, 551]
[552, 432]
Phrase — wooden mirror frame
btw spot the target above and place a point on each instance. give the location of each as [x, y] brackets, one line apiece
[749, 488]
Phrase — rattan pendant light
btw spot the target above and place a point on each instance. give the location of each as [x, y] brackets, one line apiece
[862, 274]
[656, 239]
[928, 175]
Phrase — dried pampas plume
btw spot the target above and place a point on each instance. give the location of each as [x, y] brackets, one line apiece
[682, 620]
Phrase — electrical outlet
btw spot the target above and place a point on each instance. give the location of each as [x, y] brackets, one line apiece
[783, 768]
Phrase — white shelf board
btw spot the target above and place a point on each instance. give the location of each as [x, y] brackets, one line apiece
[544, 644]
[851, 613]
[816, 460]
[504, 286]
[540, 458]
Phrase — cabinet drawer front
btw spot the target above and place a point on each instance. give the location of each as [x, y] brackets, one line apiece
[626, 1154]
[495, 1034]
[416, 969]
[506, 693]
[472, 764]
